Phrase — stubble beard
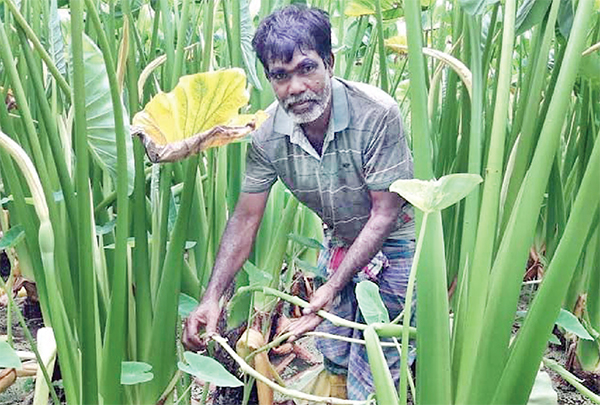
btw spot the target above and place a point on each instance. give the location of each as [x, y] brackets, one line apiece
[318, 101]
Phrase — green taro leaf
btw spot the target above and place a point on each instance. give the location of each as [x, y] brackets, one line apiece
[554, 340]
[208, 370]
[56, 42]
[435, 195]
[190, 244]
[257, 276]
[106, 228]
[247, 33]
[100, 119]
[588, 354]
[570, 323]
[306, 242]
[542, 392]
[186, 305]
[589, 68]
[476, 7]
[239, 307]
[12, 237]
[520, 317]
[306, 266]
[238, 310]
[370, 303]
[565, 17]
[8, 357]
[135, 372]
[530, 13]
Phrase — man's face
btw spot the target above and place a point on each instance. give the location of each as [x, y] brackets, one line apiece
[302, 86]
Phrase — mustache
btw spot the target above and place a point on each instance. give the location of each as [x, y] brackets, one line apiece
[309, 95]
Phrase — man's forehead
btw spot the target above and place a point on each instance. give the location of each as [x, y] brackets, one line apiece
[298, 57]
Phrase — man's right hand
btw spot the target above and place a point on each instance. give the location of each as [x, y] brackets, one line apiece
[234, 249]
[206, 315]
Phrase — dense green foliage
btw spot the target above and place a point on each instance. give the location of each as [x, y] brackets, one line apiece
[507, 91]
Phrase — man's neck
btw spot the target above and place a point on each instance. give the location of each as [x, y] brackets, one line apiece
[315, 131]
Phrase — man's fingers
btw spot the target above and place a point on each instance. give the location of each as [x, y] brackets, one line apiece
[301, 326]
[191, 333]
[309, 310]
[211, 325]
[320, 300]
[204, 318]
[191, 340]
[193, 344]
[315, 305]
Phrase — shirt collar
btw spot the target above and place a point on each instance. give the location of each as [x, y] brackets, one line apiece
[284, 124]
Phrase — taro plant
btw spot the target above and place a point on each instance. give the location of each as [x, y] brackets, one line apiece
[487, 366]
[110, 263]
[507, 91]
[433, 338]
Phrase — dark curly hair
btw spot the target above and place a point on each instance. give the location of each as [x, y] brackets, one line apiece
[290, 28]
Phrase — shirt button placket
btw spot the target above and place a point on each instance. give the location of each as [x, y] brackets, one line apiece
[325, 185]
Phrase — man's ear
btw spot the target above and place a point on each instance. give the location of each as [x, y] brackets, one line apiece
[331, 64]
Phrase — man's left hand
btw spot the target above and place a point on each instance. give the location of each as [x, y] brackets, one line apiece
[321, 299]
[300, 326]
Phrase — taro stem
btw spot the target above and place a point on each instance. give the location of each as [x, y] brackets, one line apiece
[87, 285]
[114, 345]
[64, 335]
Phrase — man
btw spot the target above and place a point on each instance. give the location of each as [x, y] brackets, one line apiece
[337, 146]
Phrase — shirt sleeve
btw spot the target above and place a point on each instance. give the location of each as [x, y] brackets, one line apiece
[387, 157]
[260, 173]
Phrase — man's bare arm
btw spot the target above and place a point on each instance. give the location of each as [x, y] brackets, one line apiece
[385, 209]
[234, 249]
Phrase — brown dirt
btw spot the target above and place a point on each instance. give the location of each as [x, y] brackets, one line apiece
[567, 394]
[20, 393]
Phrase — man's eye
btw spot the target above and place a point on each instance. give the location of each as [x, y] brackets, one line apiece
[280, 76]
[308, 69]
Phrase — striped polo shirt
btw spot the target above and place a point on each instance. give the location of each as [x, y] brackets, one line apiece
[364, 149]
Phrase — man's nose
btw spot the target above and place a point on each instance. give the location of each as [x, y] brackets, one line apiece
[296, 85]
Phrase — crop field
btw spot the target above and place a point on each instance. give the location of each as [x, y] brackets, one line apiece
[114, 197]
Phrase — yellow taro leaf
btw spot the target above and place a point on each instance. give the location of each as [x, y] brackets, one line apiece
[201, 112]
[239, 126]
[218, 135]
[197, 103]
[243, 119]
[399, 42]
[357, 8]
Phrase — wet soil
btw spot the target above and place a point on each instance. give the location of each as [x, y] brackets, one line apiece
[21, 392]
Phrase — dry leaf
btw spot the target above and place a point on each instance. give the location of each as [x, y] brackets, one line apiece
[200, 113]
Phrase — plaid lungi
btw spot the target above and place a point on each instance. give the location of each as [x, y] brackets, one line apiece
[390, 270]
